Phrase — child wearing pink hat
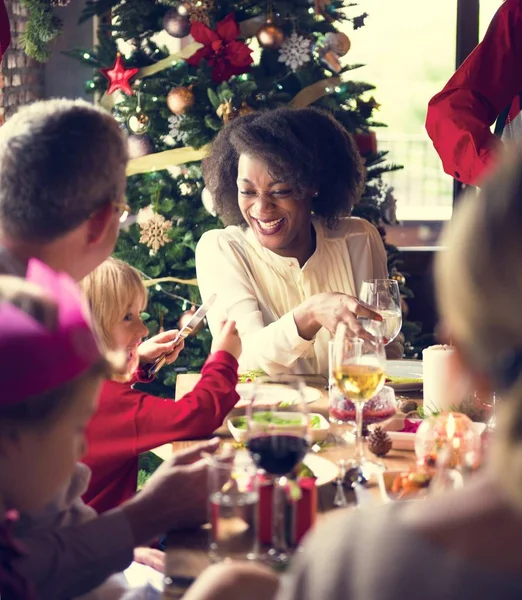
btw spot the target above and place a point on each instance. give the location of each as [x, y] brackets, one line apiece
[51, 373]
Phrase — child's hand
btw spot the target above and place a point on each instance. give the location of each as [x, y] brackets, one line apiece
[228, 339]
[159, 344]
[150, 557]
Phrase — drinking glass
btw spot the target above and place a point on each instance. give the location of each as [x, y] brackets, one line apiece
[277, 438]
[233, 506]
[384, 297]
[359, 371]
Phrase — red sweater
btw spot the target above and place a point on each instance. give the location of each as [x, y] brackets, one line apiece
[129, 422]
[489, 80]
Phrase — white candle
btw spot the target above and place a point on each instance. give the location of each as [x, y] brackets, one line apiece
[436, 366]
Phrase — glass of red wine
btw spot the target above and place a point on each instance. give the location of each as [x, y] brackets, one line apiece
[277, 438]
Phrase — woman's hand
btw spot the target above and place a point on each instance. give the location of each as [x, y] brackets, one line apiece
[328, 310]
[150, 557]
[159, 344]
[228, 339]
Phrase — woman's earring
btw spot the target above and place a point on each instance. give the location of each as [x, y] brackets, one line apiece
[316, 194]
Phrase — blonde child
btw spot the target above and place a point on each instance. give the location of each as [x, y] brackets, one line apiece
[130, 421]
[51, 374]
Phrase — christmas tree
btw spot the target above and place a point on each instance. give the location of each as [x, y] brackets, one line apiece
[243, 56]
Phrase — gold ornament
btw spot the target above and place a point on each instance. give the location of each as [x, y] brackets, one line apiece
[138, 123]
[180, 99]
[155, 232]
[197, 10]
[339, 42]
[270, 36]
[226, 111]
[399, 278]
[185, 318]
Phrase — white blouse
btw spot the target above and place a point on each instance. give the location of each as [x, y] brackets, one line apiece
[260, 289]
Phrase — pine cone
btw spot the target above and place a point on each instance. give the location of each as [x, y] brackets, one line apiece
[379, 442]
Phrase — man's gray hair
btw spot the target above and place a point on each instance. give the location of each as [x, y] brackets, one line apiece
[60, 160]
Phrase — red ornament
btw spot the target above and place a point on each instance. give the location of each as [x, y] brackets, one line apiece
[5, 32]
[223, 52]
[119, 77]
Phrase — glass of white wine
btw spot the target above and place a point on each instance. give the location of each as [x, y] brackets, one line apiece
[359, 372]
[384, 297]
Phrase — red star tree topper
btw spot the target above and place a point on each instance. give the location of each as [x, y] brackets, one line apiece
[224, 53]
[119, 77]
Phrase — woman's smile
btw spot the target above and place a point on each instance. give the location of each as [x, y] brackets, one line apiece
[269, 227]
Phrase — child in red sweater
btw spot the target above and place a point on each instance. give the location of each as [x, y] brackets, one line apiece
[129, 421]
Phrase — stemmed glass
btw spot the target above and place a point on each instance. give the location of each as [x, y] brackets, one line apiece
[384, 297]
[277, 438]
[359, 372]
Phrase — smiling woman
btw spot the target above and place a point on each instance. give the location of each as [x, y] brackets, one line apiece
[289, 265]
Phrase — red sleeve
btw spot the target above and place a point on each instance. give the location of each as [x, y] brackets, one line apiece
[196, 415]
[460, 116]
[141, 375]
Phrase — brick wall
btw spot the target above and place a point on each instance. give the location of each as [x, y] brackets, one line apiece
[21, 77]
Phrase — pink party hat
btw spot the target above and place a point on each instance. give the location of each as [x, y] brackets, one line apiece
[35, 359]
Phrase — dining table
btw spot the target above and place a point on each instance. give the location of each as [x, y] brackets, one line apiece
[186, 551]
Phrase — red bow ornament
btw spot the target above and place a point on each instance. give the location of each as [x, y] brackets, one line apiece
[221, 49]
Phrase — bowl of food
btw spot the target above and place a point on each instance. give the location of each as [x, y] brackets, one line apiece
[318, 425]
[404, 484]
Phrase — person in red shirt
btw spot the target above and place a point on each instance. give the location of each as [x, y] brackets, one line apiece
[129, 421]
[486, 87]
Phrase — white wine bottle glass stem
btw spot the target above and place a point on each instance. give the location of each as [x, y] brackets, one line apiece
[359, 445]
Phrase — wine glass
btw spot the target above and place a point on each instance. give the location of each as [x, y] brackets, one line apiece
[384, 297]
[359, 372]
[277, 438]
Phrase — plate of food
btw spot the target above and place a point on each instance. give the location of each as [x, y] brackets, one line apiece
[402, 431]
[246, 389]
[318, 425]
[404, 375]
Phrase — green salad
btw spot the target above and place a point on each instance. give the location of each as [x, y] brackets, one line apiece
[249, 376]
[269, 418]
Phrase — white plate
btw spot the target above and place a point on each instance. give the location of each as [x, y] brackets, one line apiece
[405, 368]
[245, 389]
[325, 470]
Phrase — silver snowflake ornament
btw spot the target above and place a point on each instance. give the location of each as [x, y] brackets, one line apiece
[295, 52]
[155, 232]
[174, 131]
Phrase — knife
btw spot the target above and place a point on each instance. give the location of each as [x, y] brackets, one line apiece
[184, 332]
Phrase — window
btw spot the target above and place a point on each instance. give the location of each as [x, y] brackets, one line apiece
[408, 49]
